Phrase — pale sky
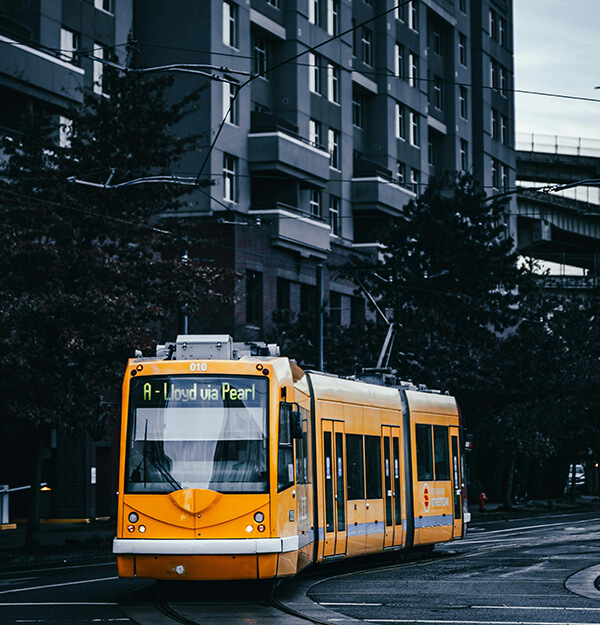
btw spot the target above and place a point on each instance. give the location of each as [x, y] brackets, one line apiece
[557, 50]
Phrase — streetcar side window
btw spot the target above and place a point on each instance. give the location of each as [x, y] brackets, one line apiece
[441, 452]
[355, 467]
[424, 455]
[302, 455]
[285, 459]
[373, 466]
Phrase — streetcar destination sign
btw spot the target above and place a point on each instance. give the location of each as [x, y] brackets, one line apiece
[185, 391]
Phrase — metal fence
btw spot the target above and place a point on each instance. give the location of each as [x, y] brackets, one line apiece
[556, 144]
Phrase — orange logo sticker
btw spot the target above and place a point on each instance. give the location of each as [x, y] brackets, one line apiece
[426, 497]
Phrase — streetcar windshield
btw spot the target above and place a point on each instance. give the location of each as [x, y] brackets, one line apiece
[197, 432]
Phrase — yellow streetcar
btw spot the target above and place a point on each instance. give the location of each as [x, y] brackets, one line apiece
[237, 464]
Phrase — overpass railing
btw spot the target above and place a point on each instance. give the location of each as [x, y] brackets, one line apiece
[557, 144]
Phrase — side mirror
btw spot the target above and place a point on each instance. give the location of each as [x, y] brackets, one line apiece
[296, 422]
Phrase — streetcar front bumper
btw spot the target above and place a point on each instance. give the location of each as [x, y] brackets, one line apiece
[211, 547]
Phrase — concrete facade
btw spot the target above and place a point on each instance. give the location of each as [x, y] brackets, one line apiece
[319, 151]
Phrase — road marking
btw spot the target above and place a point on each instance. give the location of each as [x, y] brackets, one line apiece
[519, 529]
[61, 603]
[584, 582]
[339, 603]
[16, 580]
[527, 607]
[85, 581]
[64, 568]
[432, 622]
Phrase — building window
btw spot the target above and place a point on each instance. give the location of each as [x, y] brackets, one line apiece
[65, 131]
[462, 49]
[230, 23]
[315, 202]
[462, 5]
[274, 3]
[495, 174]
[502, 31]
[437, 93]
[333, 83]
[334, 215]
[503, 80]
[463, 95]
[401, 172]
[504, 129]
[260, 56]
[413, 15]
[413, 69]
[357, 312]
[367, 46]
[504, 177]
[399, 117]
[104, 5]
[333, 17]
[436, 37]
[308, 298]
[414, 128]
[100, 52]
[314, 132]
[333, 141]
[313, 12]
[358, 109]
[229, 178]
[415, 178]
[493, 75]
[314, 73]
[230, 107]
[495, 125]
[254, 297]
[493, 24]
[283, 294]
[69, 45]
[399, 60]
[464, 155]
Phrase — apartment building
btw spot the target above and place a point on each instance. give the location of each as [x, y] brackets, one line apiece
[336, 113]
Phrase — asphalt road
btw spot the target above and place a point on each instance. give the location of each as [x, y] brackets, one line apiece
[538, 571]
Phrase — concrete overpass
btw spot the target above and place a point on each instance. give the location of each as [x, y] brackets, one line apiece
[559, 228]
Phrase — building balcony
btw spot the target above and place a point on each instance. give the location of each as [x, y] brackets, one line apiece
[295, 229]
[29, 70]
[373, 189]
[275, 147]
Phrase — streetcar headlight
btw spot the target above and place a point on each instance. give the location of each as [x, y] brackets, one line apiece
[142, 529]
[249, 528]
[133, 517]
[130, 528]
[261, 528]
[259, 517]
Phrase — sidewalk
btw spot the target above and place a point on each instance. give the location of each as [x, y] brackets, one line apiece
[494, 511]
[58, 543]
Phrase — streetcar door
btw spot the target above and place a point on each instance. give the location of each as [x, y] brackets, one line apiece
[335, 488]
[392, 484]
[456, 484]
